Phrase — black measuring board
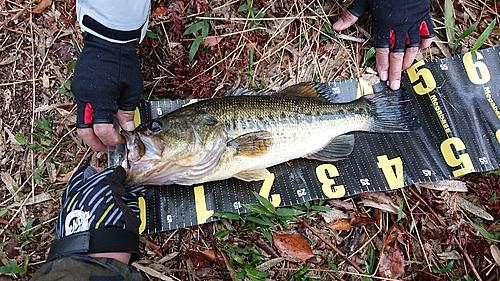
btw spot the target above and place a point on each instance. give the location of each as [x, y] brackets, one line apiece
[457, 102]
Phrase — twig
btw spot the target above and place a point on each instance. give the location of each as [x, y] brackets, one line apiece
[341, 254]
[462, 250]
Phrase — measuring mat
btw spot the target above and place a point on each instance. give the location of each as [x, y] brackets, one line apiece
[455, 99]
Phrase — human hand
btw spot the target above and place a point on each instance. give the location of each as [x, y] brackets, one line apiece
[107, 81]
[98, 215]
[400, 29]
[100, 136]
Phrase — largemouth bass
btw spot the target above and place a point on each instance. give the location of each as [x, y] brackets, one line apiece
[241, 136]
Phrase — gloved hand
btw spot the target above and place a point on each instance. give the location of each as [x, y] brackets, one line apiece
[98, 215]
[107, 81]
[400, 28]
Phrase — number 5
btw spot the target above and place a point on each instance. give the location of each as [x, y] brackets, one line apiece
[423, 76]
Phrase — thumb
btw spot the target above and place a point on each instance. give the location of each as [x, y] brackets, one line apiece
[346, 20]
[126, 119]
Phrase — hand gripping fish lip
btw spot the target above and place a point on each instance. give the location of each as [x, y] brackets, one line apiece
[135, 146]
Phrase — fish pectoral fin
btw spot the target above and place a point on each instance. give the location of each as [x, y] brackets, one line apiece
[253, 175]
[337, 149]
[253, 144]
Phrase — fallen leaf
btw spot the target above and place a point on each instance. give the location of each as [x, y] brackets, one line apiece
[10, 59]
[340, 224]
[346, 206]
[450, 185]
[152, 272]
[160, 11]
[495, 253]
[210, 255]
[379, 197]
[333, 215]
[201, 265]
[473, 209]
[360, 219]
[41, 6]
[292, 247]
[212, 41]
[11, 248]
[392, 261]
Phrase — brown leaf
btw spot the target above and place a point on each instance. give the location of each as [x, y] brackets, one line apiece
[392, 262]
[200, 263]
[214, 256]
[292, 247]
[10, 248]
[360, 219]
[41, 6]
[340, 224]
[160, 11]
[212, 41]
[379, 197]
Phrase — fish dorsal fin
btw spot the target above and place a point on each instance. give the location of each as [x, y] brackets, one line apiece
[317, 91]
[337, 149]
[253, 175]
[253, 144]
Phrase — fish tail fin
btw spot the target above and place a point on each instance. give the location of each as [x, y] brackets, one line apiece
[390, 113]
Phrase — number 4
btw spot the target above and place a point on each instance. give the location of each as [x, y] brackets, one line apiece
[393, 170]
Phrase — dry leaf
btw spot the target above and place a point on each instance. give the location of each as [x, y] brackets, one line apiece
[470, 207]
[152, 272]
[450, 185]
[292, 247]
[340, 224]
[211, 256]
[379, 197]
[390, 207]
[360, 219]
[41, 6]
[160, 11]
[201, 265]
[495, 253]
[392, 261]
[211, 41]
[334, 215]
[10, 59]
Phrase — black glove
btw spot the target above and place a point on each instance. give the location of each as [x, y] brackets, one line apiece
[107, 78]
[397, 24]
[98, 215]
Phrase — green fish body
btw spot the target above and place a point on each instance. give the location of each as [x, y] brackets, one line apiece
[241, 136]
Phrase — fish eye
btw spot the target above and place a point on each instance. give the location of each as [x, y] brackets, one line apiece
[155, 126]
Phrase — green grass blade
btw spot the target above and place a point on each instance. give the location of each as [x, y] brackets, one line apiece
[482, 38]
[449, 20]
[483, 231]
[194, 47]
[462, 36]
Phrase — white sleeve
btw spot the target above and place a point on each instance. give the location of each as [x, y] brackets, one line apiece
[124, 15]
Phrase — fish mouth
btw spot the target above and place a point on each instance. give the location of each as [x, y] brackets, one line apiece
[134, 144]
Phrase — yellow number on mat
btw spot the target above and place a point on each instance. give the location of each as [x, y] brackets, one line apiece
[142, 214]
[477, 71]
[393, 170]
[265, 189]
[498, 135]
[328, 182]
[448, 149]
[202, 214]
[423, 76]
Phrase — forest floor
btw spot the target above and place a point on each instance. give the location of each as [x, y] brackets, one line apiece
[261, 45]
